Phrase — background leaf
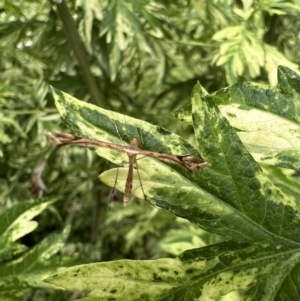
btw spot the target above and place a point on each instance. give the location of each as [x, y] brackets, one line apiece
[23, 267]
[17, 221]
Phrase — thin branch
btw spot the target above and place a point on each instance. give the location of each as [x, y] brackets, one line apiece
[189, 162]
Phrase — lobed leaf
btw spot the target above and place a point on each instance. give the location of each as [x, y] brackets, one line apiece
[259, 209]
[233, 198]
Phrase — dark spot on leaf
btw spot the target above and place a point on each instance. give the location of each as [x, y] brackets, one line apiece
[120, 266]
[268, 191]
[145, 297]
[176, 272]
[254, 184]
[127, 274]
[190, 271]
[266, 158]
[55, 275]
[113, 291]
[156, 277]
[231, 115]
[288, 159]
[163, 269]
[244, 107]
[75, 275]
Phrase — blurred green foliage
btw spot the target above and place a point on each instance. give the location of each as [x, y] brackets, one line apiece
[141, 58]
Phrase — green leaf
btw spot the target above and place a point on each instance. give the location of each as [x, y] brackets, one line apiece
[267, 118]
[90, 121]
[228, 32]
[123, 26]
[178, 240]
[250, 202]
[206, 274]
[284, 179]
[233, 198]
[93, 122]
[233, 193]
[91, 9]
[5, 121]
[11, 249]
[17, 221]
[30, 269]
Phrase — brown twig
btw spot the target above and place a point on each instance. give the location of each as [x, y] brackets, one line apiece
[191, 163]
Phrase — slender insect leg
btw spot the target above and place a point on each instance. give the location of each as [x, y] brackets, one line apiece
[116, 127]
[137, 169]
[114, 188]
[128, 186]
